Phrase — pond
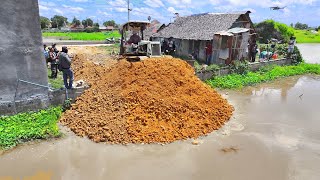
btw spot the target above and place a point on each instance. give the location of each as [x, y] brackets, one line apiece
[274, 134]
[310, 52]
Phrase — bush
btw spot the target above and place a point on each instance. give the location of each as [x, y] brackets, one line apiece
[28, 126]
[199, 68]
[270, 29]
[234, 81]
[239, 67]
[297, 57]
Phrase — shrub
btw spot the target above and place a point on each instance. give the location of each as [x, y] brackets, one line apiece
[270, 29]
[234, 81]
[239, 67]
[28, 126]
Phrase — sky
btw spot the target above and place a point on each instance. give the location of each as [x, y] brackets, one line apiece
[304, 11]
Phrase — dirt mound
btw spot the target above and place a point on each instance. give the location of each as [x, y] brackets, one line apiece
[86, 70]
[154, 101]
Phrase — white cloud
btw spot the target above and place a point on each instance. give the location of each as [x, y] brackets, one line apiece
[118, 3]
[287, 12]
[268, 3]
[180, 3]
[58, 11]
[144, 12]
[80, 0]
[172, 10]
[182, 12]
[104, 13]
[47, 4]
[121, 9]
[72, 9]
[43, 8]
[249, 9]
[154, 3]
[215, 2]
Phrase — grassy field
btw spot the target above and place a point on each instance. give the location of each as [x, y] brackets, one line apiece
[83, 35]
[113, 49]
[304, 36]
[29, 126]
[56, 83]
[236, 81]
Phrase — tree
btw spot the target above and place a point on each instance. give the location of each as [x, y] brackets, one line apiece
[45, 22]
[96, 25]
[270, 29]
[87, 22]
[301, 26]
[76, 22]
[110, 23]
[58, 21]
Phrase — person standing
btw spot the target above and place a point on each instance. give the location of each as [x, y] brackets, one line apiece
[46, 55]
[171, 47]
[55, 48]
[292, 43]
[253, 51]
[45, 52]
[54, 63]
[208, 53]
[65, 67]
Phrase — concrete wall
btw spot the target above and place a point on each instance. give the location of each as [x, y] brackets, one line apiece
[21, 54]
[56, 98]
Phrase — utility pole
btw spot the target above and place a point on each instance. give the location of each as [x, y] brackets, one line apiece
[129, 10]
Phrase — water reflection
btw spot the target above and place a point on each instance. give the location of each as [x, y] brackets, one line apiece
[274, 91]
[310, 52]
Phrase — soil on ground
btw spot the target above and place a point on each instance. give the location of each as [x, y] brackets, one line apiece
[158, 100]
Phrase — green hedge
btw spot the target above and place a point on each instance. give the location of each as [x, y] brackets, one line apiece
[235, 81]
[271, 29]
[28, 126]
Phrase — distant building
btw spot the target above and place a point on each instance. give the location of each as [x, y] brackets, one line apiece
[229, 34]
[108, 28]
[152, 30]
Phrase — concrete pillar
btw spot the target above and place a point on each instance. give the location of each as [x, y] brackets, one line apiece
[21, 54]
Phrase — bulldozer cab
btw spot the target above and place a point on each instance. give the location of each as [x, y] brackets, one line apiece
[133, 46]
[131, 35]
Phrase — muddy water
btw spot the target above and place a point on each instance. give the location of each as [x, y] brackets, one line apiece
[274, 134]
[310, 52]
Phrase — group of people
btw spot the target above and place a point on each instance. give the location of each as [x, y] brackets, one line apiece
[267, 54]
[59, 61]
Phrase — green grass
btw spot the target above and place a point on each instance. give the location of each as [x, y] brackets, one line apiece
[237, 81]
[83, 35]
[29, 126]
[56, 83]
[304, 36]
[112, 49]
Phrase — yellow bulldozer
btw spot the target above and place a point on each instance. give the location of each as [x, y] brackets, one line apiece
[133, 46]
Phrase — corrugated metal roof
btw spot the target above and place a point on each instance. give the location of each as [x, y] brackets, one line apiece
[238, 30]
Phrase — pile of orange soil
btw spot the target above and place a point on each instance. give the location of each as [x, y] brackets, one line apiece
[154, 101]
